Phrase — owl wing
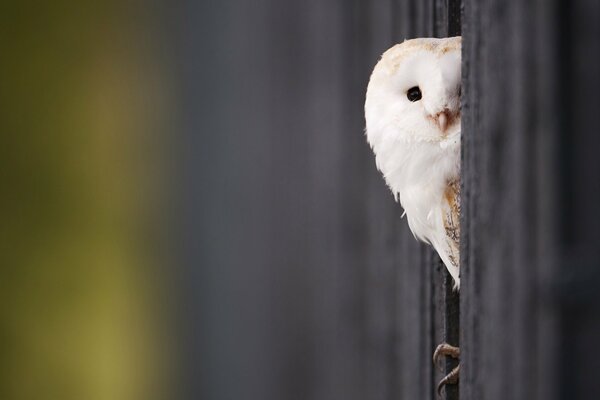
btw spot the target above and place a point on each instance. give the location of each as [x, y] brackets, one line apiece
[451, 221]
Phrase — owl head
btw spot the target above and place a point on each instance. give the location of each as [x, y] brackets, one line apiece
[412, 108]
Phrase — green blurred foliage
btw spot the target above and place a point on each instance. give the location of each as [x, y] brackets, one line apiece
[83, 100]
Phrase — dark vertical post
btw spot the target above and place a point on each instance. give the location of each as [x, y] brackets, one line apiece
[448, 24]
[578, 272]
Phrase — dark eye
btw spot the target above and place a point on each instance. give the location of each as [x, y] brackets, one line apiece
[414, 94]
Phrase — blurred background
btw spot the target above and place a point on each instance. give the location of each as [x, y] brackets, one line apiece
[190, 209]
[168, 169]
[86, 102]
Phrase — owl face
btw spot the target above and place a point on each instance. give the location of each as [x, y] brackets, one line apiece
[414, 92]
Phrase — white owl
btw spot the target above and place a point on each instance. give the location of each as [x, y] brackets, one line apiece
[412, 112]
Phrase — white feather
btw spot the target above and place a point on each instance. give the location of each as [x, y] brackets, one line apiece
[416, 157]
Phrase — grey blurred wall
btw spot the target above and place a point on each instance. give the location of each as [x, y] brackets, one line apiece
[299, 280]
[293, 251]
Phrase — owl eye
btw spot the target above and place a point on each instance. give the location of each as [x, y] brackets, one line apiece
[414, 94]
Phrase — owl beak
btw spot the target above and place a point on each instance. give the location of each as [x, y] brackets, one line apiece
[443, 120]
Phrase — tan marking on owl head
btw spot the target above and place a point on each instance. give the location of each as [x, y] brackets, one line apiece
[393, 57]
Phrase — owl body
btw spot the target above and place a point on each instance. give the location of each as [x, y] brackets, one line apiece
[412, 113]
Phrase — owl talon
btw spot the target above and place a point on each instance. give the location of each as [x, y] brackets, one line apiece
[450, 379]
[445, 349]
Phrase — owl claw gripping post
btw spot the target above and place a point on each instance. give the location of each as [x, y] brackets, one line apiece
[412, 111]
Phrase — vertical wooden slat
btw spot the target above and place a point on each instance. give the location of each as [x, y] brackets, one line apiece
[530, 179]
[497, 287]
[470, 292]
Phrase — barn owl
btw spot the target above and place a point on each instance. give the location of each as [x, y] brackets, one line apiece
[412, 113]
